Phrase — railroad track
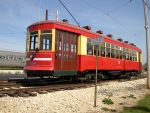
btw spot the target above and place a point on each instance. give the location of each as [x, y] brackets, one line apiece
[7, 84]
[26, 88]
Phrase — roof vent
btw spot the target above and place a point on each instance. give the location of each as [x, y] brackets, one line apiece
[87, 27]
[110, 35]
[126, 42]
[99, 31]
[132, 44]
[65, 21]
[120, 39]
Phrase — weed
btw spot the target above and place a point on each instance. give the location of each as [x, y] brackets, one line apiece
[107, 109]
[107, 101]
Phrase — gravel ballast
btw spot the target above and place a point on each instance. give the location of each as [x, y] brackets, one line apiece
[123, 94]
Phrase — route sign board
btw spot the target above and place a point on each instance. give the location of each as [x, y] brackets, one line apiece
[97, 41]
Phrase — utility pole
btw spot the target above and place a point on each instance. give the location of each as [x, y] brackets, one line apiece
[147, 43]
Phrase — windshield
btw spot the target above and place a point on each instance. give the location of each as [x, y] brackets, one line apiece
[33, 40]
[45, 41]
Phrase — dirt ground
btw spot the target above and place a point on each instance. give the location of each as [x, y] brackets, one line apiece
[122, 94]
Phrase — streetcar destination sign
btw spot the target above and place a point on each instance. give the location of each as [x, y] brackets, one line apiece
[97, 41]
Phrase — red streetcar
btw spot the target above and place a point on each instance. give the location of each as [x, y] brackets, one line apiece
[57, 48]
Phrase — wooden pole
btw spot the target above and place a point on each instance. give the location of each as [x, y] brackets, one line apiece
[95, 95]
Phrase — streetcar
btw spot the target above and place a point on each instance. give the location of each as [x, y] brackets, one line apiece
[59, 49]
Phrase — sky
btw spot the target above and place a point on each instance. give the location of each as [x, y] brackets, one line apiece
[121, 18]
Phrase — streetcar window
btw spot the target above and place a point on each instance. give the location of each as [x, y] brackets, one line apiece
[120, 52]
[99, 50]
[94, 50]
[140, 57]
[132, 55]
[117, 52]
[46, 40]
[123, 54]
[75, 48]
[127, 54]
[112, 51]
[107, 50]
[33, 40]
[102, 50]
[90, 50]
[135, 56]
[72, 47]
[89, 47]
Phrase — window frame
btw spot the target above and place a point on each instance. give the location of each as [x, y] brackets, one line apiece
[47, 46]
[33, 35]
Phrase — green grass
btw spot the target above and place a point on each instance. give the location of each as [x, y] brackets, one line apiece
[143, 106]
[108, 110]
[107, 101]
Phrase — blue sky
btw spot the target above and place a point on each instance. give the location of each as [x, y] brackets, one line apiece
[121, 18]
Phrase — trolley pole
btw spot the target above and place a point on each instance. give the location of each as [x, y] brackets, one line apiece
[46, 15]
[147, 43]
[57, 16]
[95, 96]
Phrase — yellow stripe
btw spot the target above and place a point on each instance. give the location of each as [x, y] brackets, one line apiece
[53, 39]
[39, 38]
[141, 56]
[82, 45]
[137, 56]
[28, 40]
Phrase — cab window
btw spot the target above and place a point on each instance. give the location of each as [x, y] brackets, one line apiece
[46, 39]
[33, 40]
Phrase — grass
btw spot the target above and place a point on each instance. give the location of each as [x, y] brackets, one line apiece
[143, 106]
[108, 110]
[107, 101]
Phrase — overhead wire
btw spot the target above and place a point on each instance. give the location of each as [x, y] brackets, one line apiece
[69, 12]
[120, 6]
[103, 12]
[111, 17]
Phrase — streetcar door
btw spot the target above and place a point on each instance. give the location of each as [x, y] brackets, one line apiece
[65, 51]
